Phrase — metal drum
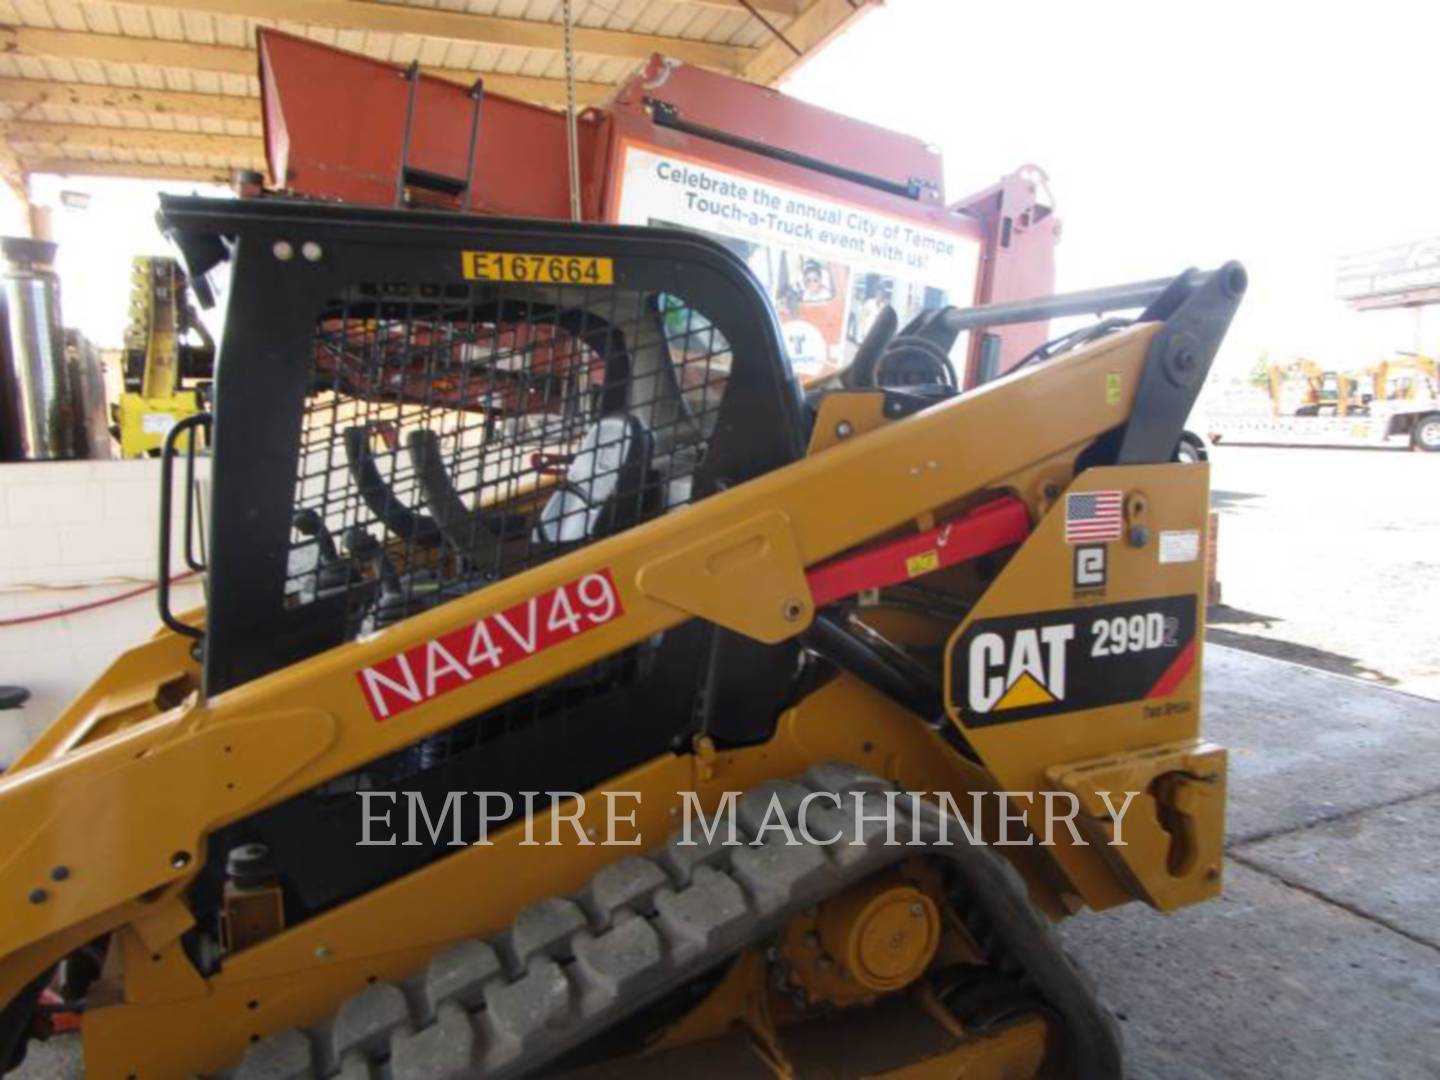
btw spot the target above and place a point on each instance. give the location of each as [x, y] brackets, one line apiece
[37, 413]
[88, 398]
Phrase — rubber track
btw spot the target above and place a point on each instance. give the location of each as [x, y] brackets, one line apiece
[568, 968]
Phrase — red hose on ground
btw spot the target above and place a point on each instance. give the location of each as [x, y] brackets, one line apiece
[44, 616]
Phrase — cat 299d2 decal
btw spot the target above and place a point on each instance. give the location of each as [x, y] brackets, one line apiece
[1018, 667]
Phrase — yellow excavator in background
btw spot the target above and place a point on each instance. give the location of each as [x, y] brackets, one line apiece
[169, 358]
[1393, 403]
[1303, 388]
[1406, 376]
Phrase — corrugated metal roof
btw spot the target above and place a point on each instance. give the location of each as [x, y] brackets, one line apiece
[61, 57]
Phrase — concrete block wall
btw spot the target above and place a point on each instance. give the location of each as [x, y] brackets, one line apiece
[71, 533]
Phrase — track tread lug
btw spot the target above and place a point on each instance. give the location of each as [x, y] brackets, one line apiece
[445, 1050]
[460, 973]
[355, 1067]
[286, 1055]
[366, 1021]
[516, 1013]
[753, 807]
[545, 929]
[695, 919]
[608, 965]
[681, 860]
[839, 777]
[774, 873]
[630, 883]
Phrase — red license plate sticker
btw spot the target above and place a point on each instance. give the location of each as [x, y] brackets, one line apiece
[490, 644]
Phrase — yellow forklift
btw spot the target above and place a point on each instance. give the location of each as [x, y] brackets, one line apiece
[169, 358]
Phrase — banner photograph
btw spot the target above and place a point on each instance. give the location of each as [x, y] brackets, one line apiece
[829, 267]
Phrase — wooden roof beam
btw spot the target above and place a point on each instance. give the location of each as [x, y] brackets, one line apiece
[134, 170]
[438, 23]
[229, 60]
[26, 94]
[788, 8]
[13, 173]
[818, 23]
[132, 139]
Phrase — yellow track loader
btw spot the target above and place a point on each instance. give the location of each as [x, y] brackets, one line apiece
[576, 696]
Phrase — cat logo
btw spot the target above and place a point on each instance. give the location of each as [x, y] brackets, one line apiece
[1011, 668]
[1024, 670]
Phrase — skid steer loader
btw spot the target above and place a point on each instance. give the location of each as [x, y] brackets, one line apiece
[574, 696]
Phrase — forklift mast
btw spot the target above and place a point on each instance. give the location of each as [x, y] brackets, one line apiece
[169, 357]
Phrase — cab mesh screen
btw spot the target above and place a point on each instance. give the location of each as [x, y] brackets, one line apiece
[455, 435]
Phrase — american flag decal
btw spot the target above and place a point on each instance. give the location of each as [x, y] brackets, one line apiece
[1092, 516]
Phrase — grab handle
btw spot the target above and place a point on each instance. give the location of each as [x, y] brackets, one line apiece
[167, 484]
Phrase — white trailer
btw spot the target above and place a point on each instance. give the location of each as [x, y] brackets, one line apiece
[1401, 424]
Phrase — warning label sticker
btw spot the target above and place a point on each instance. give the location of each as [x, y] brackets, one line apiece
[1179, 546]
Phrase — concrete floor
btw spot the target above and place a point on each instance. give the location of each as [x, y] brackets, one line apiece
[1331, 558]
[1323, 957]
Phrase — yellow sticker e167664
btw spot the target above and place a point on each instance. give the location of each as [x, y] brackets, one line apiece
[539, 269]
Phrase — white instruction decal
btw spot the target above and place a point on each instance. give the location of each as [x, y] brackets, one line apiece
[1181, 545]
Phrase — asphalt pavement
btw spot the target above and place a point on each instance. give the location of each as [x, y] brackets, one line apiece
[1331, 558]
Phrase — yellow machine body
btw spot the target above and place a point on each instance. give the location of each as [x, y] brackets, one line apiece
[154, 342]
[106, 817]
[145, 421]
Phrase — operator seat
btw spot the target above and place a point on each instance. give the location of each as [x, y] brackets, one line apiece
[605, 487]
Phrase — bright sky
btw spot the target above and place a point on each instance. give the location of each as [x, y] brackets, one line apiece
[1278, 133]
